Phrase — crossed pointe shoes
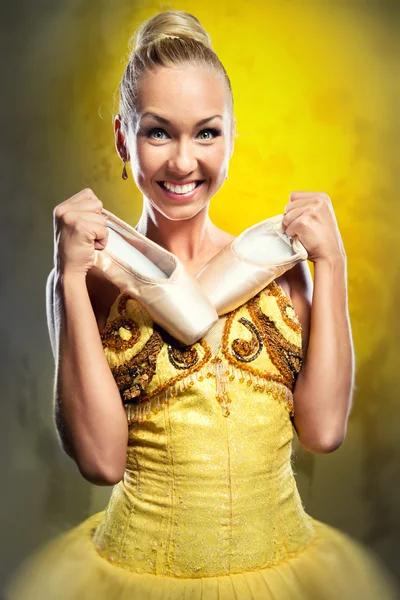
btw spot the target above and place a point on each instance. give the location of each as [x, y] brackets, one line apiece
[247, 265]
[185, 306]
[157, 279]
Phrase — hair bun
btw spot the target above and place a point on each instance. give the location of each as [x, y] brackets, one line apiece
[155, 46]
[171, 24]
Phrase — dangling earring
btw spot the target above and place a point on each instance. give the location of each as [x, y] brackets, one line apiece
[124, 172]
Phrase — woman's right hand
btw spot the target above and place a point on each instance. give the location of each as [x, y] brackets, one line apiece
[79, 230]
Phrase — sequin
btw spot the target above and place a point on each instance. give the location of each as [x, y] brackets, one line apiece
[285, 306]
[244, 350]
[183, 358]
[145, 385]
[286, 356]
[111, 335]
[133, 376]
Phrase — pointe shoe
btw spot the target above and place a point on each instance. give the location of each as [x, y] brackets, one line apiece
[157, 279]
[249, 263]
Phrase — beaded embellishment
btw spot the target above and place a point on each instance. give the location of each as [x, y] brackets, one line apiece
[134, 376]
[194, 363]
[285, 356]
[181, 357]
[247, 351]
[285, 307]
[111, 333]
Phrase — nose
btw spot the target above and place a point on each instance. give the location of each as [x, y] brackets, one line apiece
[182, 160]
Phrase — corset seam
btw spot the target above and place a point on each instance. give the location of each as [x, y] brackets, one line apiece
[169, 549]
[131, 508]
[279, 519]
[230, 545]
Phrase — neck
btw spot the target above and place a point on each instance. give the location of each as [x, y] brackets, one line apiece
[187, 239]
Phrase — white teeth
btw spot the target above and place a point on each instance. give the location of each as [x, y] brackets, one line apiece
[180, 189]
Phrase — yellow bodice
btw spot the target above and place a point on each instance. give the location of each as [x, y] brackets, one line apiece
[208, 488]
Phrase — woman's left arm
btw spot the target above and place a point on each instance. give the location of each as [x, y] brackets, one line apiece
[324, 387]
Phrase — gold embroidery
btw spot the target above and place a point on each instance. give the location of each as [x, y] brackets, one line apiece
[173, 380]
[285, 306]
[152, 401]
[260, 382]
[134, 376]
[180, 356]
[242, 365]
[286, 357]
[248, 350]
[122, 303]
[221, 395]
[111, 335]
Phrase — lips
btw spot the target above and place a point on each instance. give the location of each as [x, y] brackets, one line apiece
[172, 185]
[180, 190]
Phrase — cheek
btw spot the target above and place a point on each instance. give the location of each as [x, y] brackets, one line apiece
[148, 160]
[217, 159]
[223, 161]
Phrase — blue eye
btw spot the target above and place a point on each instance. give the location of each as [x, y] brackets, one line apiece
[156, 133]
[212, 133]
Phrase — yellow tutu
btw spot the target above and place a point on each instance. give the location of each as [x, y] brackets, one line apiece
[333, 567]
[208, 508]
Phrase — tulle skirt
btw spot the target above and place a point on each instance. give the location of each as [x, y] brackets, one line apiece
[333, 567]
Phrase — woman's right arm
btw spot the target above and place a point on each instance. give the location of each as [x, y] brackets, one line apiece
[89, 415]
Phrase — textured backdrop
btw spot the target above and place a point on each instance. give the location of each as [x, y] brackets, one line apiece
[316, 89]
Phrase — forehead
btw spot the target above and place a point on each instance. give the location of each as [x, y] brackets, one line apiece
[188, 91]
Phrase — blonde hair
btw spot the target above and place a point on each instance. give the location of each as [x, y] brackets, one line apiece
[172, 37]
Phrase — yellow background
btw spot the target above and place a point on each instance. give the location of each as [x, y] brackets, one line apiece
[316, 95]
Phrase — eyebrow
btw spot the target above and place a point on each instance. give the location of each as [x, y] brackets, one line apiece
[166, 122]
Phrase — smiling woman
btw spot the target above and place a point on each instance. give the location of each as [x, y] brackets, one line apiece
[205, 503]
[157, 134]
[183, 138]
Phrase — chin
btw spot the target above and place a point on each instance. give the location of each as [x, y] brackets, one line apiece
[179, 213]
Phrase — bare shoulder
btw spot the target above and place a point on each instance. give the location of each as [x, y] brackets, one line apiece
[102, 294]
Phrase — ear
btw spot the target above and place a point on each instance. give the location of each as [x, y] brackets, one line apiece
[233, 135]
[120, 144]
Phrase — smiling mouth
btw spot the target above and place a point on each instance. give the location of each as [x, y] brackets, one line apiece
[180, 189]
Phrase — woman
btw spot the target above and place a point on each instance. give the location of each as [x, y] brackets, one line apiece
[205, 503]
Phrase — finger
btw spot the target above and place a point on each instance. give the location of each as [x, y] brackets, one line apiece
[87, 204]
[70, 217]
[85, 193]
[84, 206]
[96, 225]
[301, 194]
[101, 238]
[297, 204]
[82, 220]
[101, 230]
[84, 200]
[292, 216]
[91, 217]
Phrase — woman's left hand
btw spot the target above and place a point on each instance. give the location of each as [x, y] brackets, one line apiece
[310, 218]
